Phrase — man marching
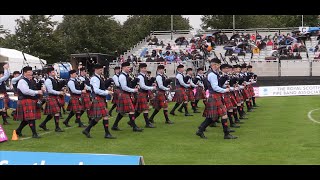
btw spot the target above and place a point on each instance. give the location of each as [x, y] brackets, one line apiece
[125, 104]
[180, 95]
[160, 100]
[116, 88]
[98, 108]
[142, 104]
[214, 106]
[4, 75]
[253, 79]
[200, 92]
[76, 104]
[14, 81]
[27, 110]
[53, 107]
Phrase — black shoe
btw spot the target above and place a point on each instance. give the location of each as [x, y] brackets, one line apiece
[214, 124]
[196, 111]
[86, 133]
[234, 125]
[6, 123]
[129, 123]
[180, 110]
[187, 114]
[203, 130]
[19, 133]
[229, 136]
[137, 129]
[150, 126]
[239, 122]
[243, 117]
[169, 122]
[43, 127]
[201, 134]
[230, 130]
[172, 113]
[110, 113]
[36, 136]
[109, 136]
[115, 129]
[66, 124]
[58, 130]
[255, 105]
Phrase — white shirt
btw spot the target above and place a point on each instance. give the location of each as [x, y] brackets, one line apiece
[123, 83]
[142, 84]
[72, 86]
[25, 89]
[95, 82]
[49, 86]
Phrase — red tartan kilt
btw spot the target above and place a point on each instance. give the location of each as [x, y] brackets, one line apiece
[236, 96]
[125, 104]
[115, 96]
[227, 101]
[210, 110]
[200, 93]
[240, 96]
[245, 93]
[151, 95]
[98, 108]
[251, 90]
[180, 95]
[61, 101]
[86, 101]
[233, 99]
[190, 94]
[160, 100]
[74, 104]
[52, 105]
[27, 110]
[142, 102]
[217, 102]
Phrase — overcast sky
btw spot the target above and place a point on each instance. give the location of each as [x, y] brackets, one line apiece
[8, 21]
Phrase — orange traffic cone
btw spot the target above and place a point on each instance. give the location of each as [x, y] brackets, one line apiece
[14, 136]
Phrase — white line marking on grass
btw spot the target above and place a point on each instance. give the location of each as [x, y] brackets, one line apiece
[310, 117]
[49, 132]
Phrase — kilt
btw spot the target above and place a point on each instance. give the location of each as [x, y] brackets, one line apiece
[200, 93]
[227, 101]
[27, 110]
[240, 96]
[142, 102]
[86, 101]
[190, 94]
[160, 100]
[5, 100]
[150, 95]
[251, 90]
[236, 96]
[98, 108]
[233, 99]
[115, 96]
[214, 106]
[74, 104]
[125, 104]
[245, 93]
[180, 95]
[52, 105]
[61, 101]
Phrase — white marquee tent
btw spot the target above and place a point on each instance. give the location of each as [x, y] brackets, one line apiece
[16, 60]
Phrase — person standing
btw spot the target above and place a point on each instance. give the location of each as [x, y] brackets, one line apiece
[4, 76]
[116, 88]
[27, 110]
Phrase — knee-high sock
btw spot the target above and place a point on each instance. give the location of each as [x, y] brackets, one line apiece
[182, 106]
[230, 117]
[185, 105]
[22, 125]
[78, 115]
[136, 114]
[205, 124]
[235, 115]
[119, 117]
[32, 125]
[240, 110]
[106, 126]
[146, 118]
[155, 112]
[224, 123]
[175, 107]
[48, 118]
[92, 123]
[56, 121]
[248, 105]
[165, 113]
[196, 102]
[254, 100]
[112, 108]
[132, 120]
[4, 116]
[193, 105]
[69, 117]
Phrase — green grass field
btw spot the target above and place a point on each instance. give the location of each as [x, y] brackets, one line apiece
[279, 132]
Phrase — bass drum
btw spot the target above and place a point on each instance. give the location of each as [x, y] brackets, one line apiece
[62, 69]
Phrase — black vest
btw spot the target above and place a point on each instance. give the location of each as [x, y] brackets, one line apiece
[3, 87]
[222, 80]
[163, 82]
[128, 79]
[15, 89]
[209, 85]
[177, 81]
[31, 86]
[102, 84]
[145, 82]
[55, 85]
[77, 85]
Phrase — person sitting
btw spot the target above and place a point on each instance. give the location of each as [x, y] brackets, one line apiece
[161, 44]
[168, 47]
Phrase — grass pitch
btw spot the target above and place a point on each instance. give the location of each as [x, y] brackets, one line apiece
[278, 132]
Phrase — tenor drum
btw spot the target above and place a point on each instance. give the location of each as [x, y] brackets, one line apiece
[13, 102]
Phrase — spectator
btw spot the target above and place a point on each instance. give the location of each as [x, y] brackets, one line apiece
[193, 46]
[161, 44]
[168, 47]
[258, 36]
[153, 53]
[147, 54]
[269, 43]
[253, 37]
[192, 40]
[155, 40]
[298, 56]
[149, 59]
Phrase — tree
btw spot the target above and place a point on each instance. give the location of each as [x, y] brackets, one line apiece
[3, 33]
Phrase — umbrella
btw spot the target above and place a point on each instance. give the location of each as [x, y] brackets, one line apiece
[296, 31]
[255, 46]
[312, 29]
[242, 45]
[234, 36]
[216, 32]
[179, 39]
[281, 47]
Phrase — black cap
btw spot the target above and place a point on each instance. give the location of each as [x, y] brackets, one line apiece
[160, 67]
[72, 71]
[223, 66]
[82, 69]
[243, 66]
[189, 69]
[249, 66]
[142, 65]
[17, 72]
[27, 68]
[215, 60]
[229, 65]
[199, 69]
[117, 67]
[125, 64]
[50, 69]
[236, 66]
[180, 66]
[98, 66]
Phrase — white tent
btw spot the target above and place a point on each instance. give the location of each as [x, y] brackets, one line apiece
[16, 60]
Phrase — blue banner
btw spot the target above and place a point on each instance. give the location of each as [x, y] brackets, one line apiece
[48, 158]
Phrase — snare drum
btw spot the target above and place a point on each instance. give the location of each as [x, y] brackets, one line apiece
[13, 102]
